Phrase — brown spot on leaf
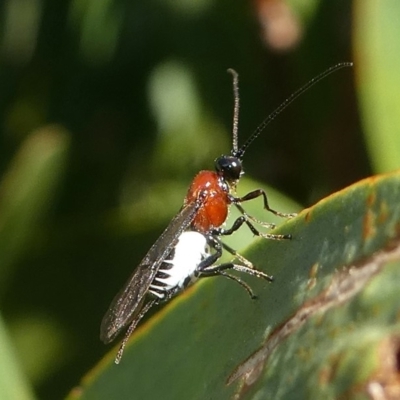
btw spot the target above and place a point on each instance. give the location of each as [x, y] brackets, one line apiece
[371, 199]
[369, 225]
[383, 212]
[328, 373]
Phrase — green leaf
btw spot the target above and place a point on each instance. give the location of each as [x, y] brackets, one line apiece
[26, 194]
[27, 190]
[377, 64]
[13, 385]
[321, 330]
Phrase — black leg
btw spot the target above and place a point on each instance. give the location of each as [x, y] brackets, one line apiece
[225, 232]
[257, 193]
[267, 225]
[211, 259]
[219, 269]
[240, 282]
[207, 268]
[244, 220]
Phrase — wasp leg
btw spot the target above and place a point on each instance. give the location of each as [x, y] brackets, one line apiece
[215, 270]
[257, 193]
[244, 220]
[207, 268]
[220, 269]
[240, 282]
[249, 265]
[132, 327]
[267, 225]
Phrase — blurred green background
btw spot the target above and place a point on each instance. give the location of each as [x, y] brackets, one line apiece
[108, 109]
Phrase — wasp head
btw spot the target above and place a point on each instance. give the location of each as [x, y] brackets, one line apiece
[229, 168]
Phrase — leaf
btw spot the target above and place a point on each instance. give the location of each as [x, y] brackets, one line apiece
[377, 63]
[321, 329]
[26, 194]
[13, 384]
[27, 190]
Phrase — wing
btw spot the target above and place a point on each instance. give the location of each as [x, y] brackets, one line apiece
[128, 302]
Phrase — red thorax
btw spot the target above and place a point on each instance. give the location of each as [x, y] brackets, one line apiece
[214, 211]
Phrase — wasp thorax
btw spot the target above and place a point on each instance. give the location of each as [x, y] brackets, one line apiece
[229, 167]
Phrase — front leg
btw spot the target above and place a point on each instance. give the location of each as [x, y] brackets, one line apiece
[244, 220]
[253, 195]
[207, 268]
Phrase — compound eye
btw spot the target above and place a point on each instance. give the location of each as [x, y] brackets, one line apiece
[229, 167]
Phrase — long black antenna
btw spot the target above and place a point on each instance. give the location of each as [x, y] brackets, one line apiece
[235, 109]
[239, 152]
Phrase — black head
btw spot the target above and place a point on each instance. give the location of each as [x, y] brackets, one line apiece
[229, 168]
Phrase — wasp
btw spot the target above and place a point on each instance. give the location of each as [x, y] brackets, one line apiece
[191, 245]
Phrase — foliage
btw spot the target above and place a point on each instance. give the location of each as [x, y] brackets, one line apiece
[108, 110]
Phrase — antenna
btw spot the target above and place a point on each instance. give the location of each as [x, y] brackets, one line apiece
[235, 77]
[239, 152]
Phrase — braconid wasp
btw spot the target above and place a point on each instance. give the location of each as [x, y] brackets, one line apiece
[191, 245]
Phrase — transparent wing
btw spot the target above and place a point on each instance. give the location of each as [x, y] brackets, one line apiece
[128, 302]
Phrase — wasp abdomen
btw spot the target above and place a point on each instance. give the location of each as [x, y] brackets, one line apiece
[178, 270]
